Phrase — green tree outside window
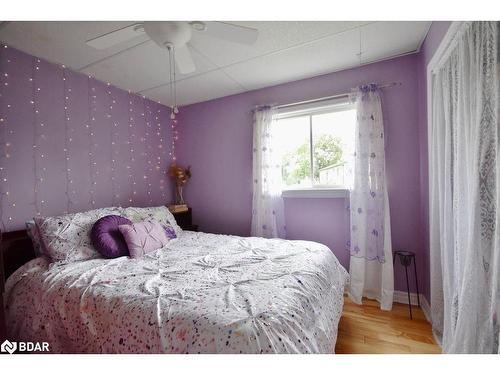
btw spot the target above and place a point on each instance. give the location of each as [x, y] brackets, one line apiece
[296, 165]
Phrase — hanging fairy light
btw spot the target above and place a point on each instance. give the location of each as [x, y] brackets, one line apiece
[131, 120]
[160, 139]
[147, 149]
[67, 138]
[92, 140]
[5, 152]
[38, 136]
[174, 136]
[113, 125]
[157, 132]
[161, 152]
[149, 144]
[142, 138]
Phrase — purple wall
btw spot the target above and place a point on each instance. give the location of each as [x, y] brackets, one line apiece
[216, 140]
[429, 47]
[66, 150]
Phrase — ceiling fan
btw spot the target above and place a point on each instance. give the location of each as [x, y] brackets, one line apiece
[175, 36]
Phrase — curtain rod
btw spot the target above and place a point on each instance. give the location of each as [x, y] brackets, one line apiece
[381, 86]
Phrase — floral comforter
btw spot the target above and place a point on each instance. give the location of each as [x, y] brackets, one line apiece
[203, 293]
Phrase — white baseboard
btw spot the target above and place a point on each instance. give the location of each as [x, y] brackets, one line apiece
[402, 297]
[426, 308]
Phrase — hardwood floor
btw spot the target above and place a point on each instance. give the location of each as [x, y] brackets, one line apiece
[367, 329]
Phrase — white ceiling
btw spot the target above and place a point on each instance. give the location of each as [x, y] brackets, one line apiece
[284, 52]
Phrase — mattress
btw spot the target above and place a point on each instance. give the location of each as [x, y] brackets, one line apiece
[202, 293]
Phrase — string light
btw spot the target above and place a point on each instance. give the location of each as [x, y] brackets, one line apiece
[70, 136]
[4, 153]
[161, 153]
[147, 149]
[131, 143]
[158, 136]
[147, 144]
[37, 137]
[69, 181]
[174, 136]
[92, 144]
[114, 149]
[155, 134]
[173, 126]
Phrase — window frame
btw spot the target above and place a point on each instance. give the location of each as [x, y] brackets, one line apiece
[309, 110]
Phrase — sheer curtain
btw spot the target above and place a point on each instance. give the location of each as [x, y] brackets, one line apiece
[464, 170]
[370, 244]
[267, 204]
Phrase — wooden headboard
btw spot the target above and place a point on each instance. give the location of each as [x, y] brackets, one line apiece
[16, 249]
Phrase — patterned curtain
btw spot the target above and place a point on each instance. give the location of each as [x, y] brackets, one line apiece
[370, 244]
[463, 177]
[267, 205]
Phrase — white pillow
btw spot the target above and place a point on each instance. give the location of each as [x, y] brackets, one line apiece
[67, 237]
[34, 235]
[160, 214]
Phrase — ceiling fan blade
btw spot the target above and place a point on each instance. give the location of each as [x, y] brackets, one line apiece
[184, 60]
[231, 32]
[115, 37]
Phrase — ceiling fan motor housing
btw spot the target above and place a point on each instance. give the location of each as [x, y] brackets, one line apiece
[168, 34]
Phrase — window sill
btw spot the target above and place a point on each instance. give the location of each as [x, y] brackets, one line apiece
[316, 193]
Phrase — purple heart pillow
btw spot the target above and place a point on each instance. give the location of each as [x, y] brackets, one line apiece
[107, 238]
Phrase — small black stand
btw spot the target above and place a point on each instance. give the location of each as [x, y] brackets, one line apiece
[405, 258]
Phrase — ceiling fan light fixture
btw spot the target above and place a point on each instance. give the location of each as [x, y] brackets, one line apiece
[172, 32]
[198, 25]
[139, 28]
[174, 36]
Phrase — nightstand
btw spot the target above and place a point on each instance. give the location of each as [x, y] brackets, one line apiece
[185, 220]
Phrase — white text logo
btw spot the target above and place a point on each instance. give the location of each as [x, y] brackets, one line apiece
[21, 346]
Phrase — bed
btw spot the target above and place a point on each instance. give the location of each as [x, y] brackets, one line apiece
[202, 293]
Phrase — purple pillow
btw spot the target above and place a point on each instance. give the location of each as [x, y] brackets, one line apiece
[169, 231]
[107, 238]
[144, 237]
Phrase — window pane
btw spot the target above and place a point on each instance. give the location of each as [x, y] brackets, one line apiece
[293, 142]
[333, 144]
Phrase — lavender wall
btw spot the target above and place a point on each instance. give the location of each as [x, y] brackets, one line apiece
[216, 140]
[429, 47]
[74, 163]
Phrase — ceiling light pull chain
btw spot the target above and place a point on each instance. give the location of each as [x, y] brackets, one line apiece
[172, 80]
[171, 62]
[170, 73]
[176, 110]
[173, 90]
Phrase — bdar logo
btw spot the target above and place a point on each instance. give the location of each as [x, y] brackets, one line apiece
[22, 346]
[9, 347]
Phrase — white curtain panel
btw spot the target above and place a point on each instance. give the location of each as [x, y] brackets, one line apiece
[464, 187]
[267, 206]
[370, 245]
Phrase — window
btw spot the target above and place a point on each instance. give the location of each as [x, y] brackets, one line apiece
[316, 145]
